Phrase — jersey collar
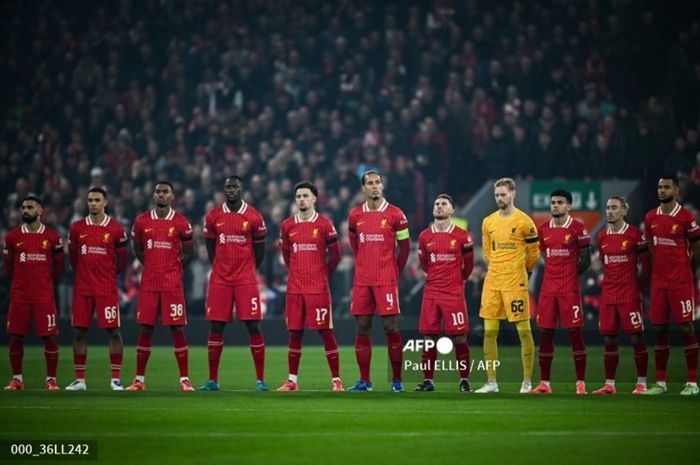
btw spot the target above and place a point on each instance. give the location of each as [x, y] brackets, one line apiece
[297, 218]
[436, 230]
[382, 207]
[169, 216]
[25, 229]
[622, 230]
[241, 210]
[105, 222]
[674, 212]
[565, 225]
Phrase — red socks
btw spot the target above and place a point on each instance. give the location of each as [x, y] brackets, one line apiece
[79, 361]
[661, 353]
[641, 359]
[395, 348]
[611, 357]
[51, 356]
[579, 352]
[143, 351]
[429, 357]
[215, 345]
[181, 351]
[331, 346]
[115, 361]
[363, 354]
[690, 343]
[294, 355]
[257, 349]
[16, 355]
[463, 359]
[546, 354]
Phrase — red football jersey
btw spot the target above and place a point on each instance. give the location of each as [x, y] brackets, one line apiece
[376, 230]
[306, 243]
[559, 246]
[441, 253]
[93, 252]
[234, 233]
[162, 240]
[619, 253]
[33, 260]
[669, 239]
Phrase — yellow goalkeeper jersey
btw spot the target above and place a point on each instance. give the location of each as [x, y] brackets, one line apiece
[511, 248]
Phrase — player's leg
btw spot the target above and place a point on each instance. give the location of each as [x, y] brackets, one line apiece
[491, 328]
[109, 319]
[246, 300]
[660, 318]
[455, 323]
[428, 359]
[16, 352]
[463, 356]
[318, 315]
[146, 316]
[571, 315]
[18, 317]
[362, 308]
[81, 314]
[257, 350]
[517, 310]
[296, 338]
[45, 316]
[492, 311]
[641, 360]
[181, 351]
[386, 304]
[611, 358]
[116, 354]
[219, 311]
[547, 322]
[294, 312]
[80, 343]
[144, 344]
[690, 349]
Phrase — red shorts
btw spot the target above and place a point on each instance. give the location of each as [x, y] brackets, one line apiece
[628, 315]
[677, 302]
[45, 315]
[107, 308]
[567, 310]
[314, 309]
[223, 302]
[444, 316]
[170, 305]
[368, 300]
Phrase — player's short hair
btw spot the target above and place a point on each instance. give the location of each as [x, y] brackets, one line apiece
[562, 193]
[446, 197]
[672, 178]
[167, 183]
[508, 182]
[98, 190]
[236, 177]
[306, 185]
[623, 201]
[34, 198]
[367, 173]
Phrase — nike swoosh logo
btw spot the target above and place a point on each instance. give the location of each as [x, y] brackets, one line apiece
[360, 222]
[19, 243]
[293, 234]
[148, 230]
[83, 236]
[218, 225]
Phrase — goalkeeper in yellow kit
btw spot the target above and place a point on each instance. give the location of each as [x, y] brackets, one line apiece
[511, 249]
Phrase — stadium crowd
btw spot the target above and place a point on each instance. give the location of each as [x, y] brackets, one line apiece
[439, 96]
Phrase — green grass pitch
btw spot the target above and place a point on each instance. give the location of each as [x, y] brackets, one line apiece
[316, 426]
